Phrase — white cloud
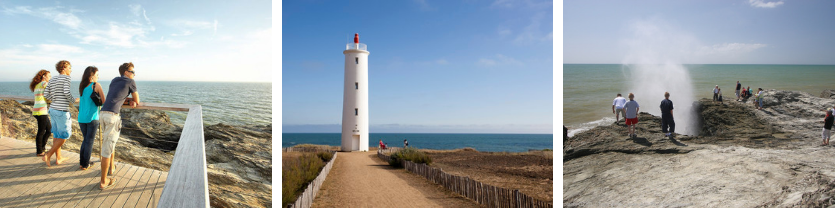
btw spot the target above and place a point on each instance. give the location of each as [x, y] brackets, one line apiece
[533, 33]
[58, 49]
[498, 60]
[137, 10]
[116, 34]
[761, 4]
[424, 6]
[441, 61]
[50, 13]
[215, 26]
[729, 48]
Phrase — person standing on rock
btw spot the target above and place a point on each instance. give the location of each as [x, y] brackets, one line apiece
[760, 94]
[617, 107]
[631, 116]
[40, 110]
[716, 93]
[405, 143]
[738, 87]
[58, 91]
[667, 116]
[827, 127]
[117, 95]
[88, 114]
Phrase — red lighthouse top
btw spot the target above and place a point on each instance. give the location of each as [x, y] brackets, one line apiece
[356, 38]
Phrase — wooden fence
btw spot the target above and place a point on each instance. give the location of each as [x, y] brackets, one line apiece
[490, 196]
[305, 200]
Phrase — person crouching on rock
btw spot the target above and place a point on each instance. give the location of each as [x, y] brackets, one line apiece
[117, 95]
[827, 126]
[632, 109]
[667, 116]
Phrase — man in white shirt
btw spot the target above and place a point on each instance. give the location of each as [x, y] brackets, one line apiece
[617, 107]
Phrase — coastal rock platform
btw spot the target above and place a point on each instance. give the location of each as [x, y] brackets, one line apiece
[742, 157]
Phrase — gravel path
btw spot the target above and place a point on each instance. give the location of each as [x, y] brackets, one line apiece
[360, 179]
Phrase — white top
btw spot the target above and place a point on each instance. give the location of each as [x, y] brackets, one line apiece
[618, 102]
[631, 109]
[715, 90]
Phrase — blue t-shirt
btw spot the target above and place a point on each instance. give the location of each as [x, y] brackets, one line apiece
[631, 109]
[87, 109]
[120, 88]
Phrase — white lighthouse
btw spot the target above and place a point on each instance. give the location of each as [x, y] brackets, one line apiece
[355, 97]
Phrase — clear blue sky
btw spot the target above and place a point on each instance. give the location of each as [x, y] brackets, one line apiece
[166, 40]
[701, 32]
[461, 66]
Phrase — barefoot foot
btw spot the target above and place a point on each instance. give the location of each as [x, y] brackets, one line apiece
[46, 159]
[58, 161]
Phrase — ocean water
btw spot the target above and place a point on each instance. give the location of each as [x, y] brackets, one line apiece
[222, 102]
[588, 89]
[481, 142]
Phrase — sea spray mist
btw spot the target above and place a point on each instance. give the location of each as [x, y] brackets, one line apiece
[653, 65]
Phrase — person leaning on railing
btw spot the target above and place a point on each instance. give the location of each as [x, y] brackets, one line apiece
[120, 88]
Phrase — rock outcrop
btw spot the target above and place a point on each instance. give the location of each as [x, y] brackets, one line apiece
[742, 157]
[238, 157]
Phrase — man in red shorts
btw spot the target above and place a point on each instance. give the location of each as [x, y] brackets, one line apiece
[631, 107]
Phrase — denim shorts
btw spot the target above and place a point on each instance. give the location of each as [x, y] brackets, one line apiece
[61, 123]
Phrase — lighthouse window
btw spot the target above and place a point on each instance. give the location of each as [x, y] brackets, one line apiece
[357, 60]
[356, 85]
[356, 112]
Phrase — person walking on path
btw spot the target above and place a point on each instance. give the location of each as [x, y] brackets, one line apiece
[738, 87]
[617, 107]
[667, 116]
[632, 109]
[827, 127]
[117, 95]
[58, 91]
[88, 114]
[40, 110]
[760, 94]
[716, 93]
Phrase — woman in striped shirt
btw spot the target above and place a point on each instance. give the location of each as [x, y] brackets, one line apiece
[58, 91]
[39, 110]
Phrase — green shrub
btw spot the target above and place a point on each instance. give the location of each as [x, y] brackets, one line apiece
[296, 174]
[325, 156]
[409, 154]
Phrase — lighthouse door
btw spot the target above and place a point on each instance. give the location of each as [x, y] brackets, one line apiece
[355, 142]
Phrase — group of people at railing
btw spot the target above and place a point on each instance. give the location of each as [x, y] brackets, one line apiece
[95, 108]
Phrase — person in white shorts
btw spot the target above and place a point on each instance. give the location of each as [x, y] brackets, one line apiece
[617, 107]
[117, 95]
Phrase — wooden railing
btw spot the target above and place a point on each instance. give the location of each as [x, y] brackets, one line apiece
[187, 184]
[484, 194]
[305, 199]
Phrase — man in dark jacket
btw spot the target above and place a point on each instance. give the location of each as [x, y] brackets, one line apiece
[667, 116]
[827, 126]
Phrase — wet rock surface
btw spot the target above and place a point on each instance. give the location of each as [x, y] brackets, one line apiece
[238, 157]
[742, 157]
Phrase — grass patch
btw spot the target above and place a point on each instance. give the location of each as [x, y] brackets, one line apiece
[409, 154]
[298, 170]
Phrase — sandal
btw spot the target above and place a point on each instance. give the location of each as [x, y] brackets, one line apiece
[112, 182]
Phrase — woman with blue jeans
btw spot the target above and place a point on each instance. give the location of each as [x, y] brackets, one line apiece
[88, 114]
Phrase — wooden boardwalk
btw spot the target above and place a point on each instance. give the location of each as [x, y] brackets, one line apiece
[26, 181]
